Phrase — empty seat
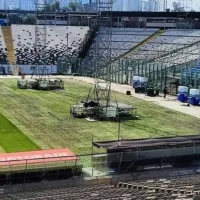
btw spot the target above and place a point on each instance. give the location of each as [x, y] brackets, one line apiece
[57, 45]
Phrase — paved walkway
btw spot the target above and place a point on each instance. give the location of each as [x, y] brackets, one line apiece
[170, 102]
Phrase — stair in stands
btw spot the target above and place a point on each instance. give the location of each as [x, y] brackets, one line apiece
[148, 39]
[7, 34]
[89, 39]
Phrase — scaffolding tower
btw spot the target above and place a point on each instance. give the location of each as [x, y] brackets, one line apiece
[40, 72]
[40, 77]
[101, 92]
[98, 104]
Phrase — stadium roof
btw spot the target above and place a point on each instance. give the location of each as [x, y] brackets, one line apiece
[116, 13]
[150, 143]
[158, 14]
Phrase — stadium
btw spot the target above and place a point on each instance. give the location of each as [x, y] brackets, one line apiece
[74, 120]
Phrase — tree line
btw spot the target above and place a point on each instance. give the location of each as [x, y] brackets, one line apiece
[72, 6]
[177, 7]
[51, 7]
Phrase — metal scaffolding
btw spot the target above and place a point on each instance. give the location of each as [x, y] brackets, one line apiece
[41, 71]
[40, 78]
[102, 90]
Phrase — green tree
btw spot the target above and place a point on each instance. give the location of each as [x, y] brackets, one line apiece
[52, 7]
[57, 5]
[177, 7]
[29, 19]
[65, 8]
[15, 19]
[72, 6]
[48, 8]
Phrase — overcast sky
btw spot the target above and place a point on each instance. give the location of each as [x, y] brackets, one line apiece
[195, 4]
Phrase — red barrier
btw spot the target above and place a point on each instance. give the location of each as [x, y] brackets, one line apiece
[37, 157]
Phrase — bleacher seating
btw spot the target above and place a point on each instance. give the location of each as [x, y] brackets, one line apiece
[61, 41]
[182, 56]
[185, 188]
[173, 47]
[167, 42]
[122, 40]
[3, 49]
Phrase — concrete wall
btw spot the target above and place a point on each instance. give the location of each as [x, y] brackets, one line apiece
[28, 69]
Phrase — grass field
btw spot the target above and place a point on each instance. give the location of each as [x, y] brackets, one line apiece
[12, 139]
[44, 118]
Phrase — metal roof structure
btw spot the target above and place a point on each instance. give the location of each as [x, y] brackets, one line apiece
[191, 15]
[150, 143]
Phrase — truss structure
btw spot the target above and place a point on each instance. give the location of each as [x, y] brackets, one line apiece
[40, 78]
[101, 92]
[40, 71]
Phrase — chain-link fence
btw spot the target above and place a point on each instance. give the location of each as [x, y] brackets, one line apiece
[171, 70]
[160, 73]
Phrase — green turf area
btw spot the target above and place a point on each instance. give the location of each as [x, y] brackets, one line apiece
[44, 117]
[12, 139]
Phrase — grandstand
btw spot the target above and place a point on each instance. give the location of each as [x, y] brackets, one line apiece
[66, 41]
[122, 40]
[3, 49]
[152, 52]
[61, 41]
[143, 51]
[152, 47]
[183, 188]
[166, 43]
